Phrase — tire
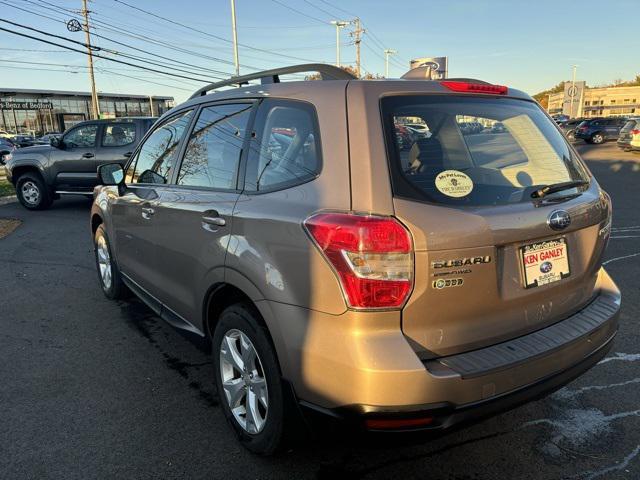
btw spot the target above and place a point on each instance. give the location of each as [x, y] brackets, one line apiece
[32, 192]
[597, 138]
[108, 273]
[237, 331]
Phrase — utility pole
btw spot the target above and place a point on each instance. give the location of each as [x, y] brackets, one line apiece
[339, 24]
[356, 35]
[387, 53]
[573, 88]
[95, 106]
[235, 37]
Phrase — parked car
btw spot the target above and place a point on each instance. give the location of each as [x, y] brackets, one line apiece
[69, 164]
[465, 128]
[6, 148]
[5, 134]
[46, 138]
[330, 273]
[568, 127]
[498, 127]
[23, 140]
[560, 118]
[599, 130]
[629, 134]
[419, 130]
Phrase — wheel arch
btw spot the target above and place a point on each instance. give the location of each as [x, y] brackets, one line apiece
[19, 170]
[96, 221]
[221, 296]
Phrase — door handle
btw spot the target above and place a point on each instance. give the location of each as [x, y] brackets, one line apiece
[147, 213]
[217, 221]
[88, 155]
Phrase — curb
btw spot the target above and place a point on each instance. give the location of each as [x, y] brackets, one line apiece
[9, 199]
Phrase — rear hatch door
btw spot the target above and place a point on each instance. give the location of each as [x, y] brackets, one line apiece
[492, 260]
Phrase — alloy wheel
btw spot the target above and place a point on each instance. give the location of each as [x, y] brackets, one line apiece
[30, 192]
[104, 261]
[243, 381]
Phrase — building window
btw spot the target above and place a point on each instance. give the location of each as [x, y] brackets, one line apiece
[587, 103]
[613, 102]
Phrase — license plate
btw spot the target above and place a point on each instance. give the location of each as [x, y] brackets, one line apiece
[545, 262]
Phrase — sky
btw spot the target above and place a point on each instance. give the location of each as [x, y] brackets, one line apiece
[529, 45]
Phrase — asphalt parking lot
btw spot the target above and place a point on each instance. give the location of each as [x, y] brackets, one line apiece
[96, 389]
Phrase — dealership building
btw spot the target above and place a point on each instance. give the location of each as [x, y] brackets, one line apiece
[579, 101]
[36, 112]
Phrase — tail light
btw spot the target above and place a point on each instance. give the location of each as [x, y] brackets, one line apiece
[372, 256]
[635, 132]
[469, 87]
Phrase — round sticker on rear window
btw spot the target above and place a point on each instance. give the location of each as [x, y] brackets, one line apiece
[453, 183]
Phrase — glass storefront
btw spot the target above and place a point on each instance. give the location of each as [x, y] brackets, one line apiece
[39, 113]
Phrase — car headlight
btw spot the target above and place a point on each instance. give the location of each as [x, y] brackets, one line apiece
[5, 158]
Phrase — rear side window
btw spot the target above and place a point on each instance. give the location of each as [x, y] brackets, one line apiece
[158, 153]
[630, 125]
[477, 151]
[285, 150]
[119, 134]
[213, 151]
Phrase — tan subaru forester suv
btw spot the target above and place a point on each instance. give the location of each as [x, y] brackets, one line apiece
[400, 254]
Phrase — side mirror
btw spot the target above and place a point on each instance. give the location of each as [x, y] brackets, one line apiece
[55, 142]
[111, 174]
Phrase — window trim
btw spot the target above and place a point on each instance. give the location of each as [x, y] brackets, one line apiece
[245, 143]
[151, 131]
[294, 182]
[104, 129]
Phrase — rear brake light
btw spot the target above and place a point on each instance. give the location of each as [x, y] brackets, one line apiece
[635, 132]
[372, 256]
[475, 87]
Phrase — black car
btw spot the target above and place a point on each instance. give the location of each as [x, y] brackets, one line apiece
[599, 130]
[23, 141]
[69, 164]
[568, 127]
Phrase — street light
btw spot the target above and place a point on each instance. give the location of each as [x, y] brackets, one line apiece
[387, 53]
[339, 24]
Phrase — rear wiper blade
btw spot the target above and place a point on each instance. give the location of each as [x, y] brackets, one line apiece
[558, 187]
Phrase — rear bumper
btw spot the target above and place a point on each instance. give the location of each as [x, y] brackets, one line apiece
[359, 366]
[443, 416]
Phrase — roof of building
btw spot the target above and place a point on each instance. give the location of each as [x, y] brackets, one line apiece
[29, 91]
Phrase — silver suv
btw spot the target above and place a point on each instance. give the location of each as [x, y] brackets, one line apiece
[395, 286]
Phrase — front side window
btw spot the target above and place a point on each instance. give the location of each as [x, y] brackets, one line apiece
[286, 147]
[82, 137]
[158, 154]
[212, 155]
[479, 151]
[119, 134]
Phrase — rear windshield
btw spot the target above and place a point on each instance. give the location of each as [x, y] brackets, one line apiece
[475, 150]
[630, 125]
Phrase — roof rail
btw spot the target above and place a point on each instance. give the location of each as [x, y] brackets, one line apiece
[327, 72]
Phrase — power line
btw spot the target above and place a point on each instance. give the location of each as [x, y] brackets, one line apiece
[138, 58]
[121, 31]
[338, 8]
[294, 10]
[173, 22]
[95, 54]
[326, 12]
